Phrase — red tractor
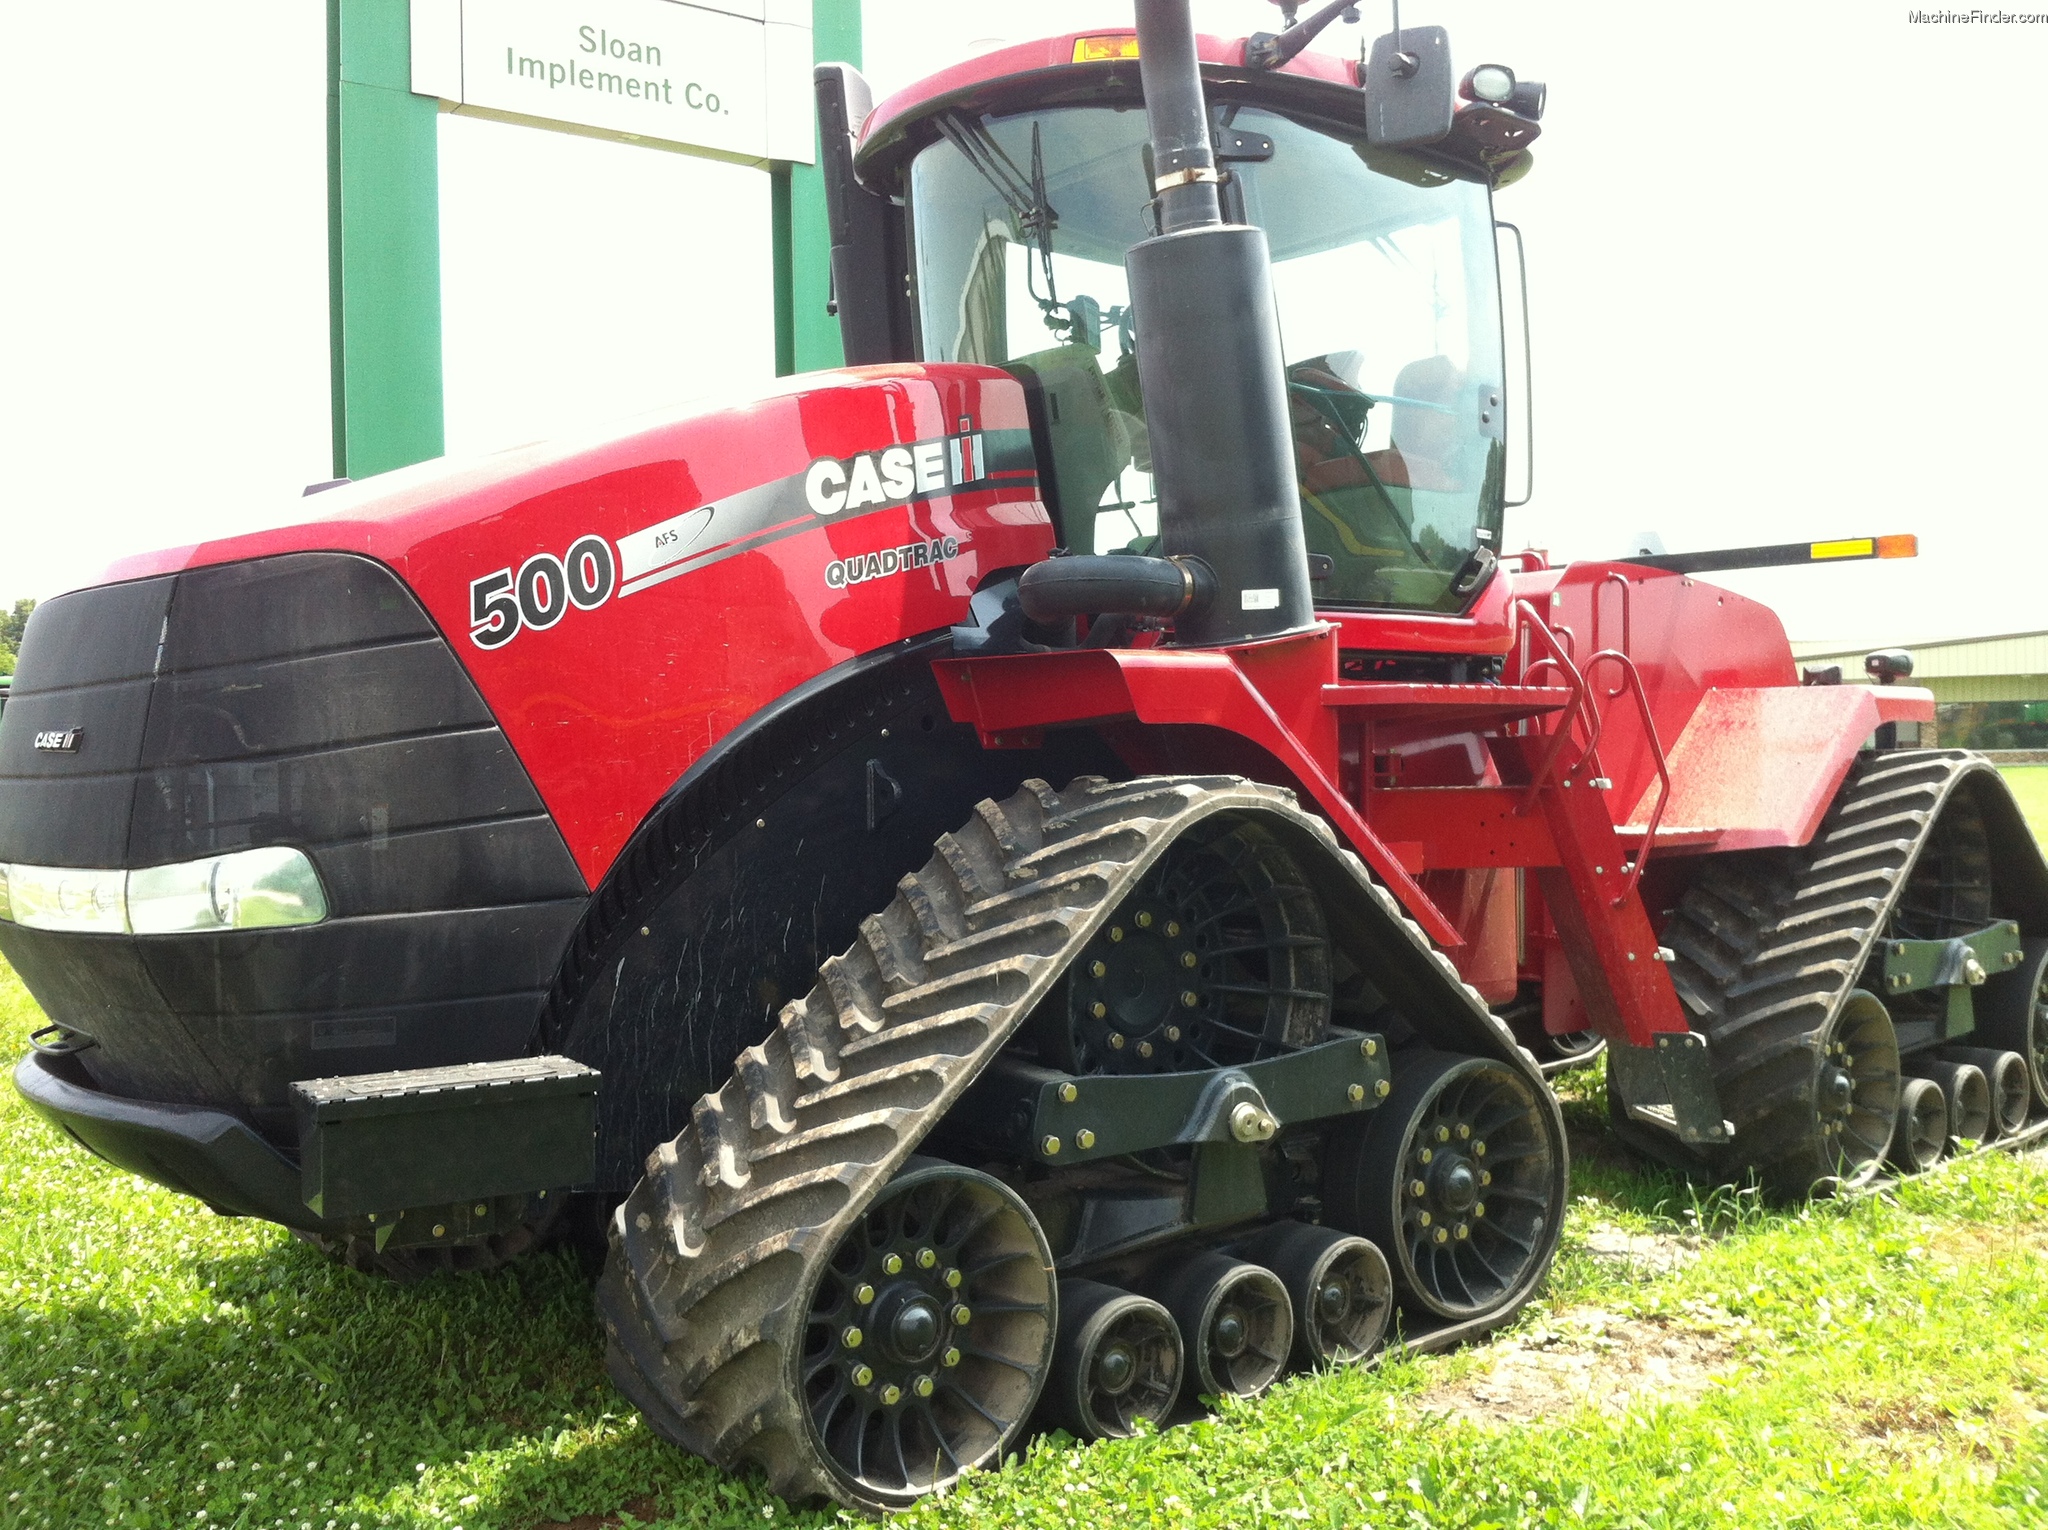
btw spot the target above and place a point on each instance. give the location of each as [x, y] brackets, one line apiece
[1028, 877]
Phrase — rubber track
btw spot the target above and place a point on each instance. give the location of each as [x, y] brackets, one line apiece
[714, 1253]
[1768, 945]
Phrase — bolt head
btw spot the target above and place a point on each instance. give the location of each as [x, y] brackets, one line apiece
[1355, 1093]
[1464, 1131]
[1426, 1156]
[1189, 959]
[863, 1375]
[892, 1264]
[851, 1336]
[1116, 1041]
[440, 1231]
[926, 1258]
[1478, 1150]
[1144, 920]
[1173, 1033]
[482, 1209]
[1485, 1177]
[1424, 1219]
[1084, 1139]
[1369, 1047]
[1144, 1049]
[950, 1357]
[1443, 1235]
[1443, 1134]
[1049, 1145]
[1464, 1232]
[1383, 1088]
[1189, 999]
[1099, 1010]
[953, 1279]
[1417, 1188]
[1116, 932]
[924, 1386]
[892, 1394]
[1479, 1208]
[961, 1314]
[1069, 1093]
[1098, 969]
[863, 1294]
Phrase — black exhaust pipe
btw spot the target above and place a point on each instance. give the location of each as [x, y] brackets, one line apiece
[1215, 391]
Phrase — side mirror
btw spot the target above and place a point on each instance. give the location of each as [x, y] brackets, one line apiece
[1409, 90]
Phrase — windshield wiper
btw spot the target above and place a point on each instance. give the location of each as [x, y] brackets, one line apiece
[1023, 195]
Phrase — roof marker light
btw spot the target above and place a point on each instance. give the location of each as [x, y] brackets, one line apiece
[1101, 50]
[1905, 545]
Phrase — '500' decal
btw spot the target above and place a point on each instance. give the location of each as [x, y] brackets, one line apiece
[542, 592]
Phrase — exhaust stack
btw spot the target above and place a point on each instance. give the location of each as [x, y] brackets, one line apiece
[1209, 361]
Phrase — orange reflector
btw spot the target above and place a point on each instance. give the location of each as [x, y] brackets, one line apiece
[1903, 546]
[1847, 547]
[1096, 50]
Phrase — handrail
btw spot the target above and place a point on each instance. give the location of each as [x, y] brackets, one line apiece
[1635, 682]
[1528, 619]
[1627, 645]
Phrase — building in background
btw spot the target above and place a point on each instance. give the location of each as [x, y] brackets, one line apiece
[1990, 693]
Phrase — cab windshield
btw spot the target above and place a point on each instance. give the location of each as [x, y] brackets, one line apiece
[1384, 277]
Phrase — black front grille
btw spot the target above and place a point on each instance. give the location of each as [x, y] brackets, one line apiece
[304, 700]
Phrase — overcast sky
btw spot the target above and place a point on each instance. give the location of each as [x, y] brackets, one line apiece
[1786, 271]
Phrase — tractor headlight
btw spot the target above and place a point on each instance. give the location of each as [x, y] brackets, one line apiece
[245, 890]
[1492, 83]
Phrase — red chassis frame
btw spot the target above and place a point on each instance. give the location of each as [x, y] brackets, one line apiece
[1639, 710]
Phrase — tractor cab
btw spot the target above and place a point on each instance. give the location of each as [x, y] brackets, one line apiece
[1020, 191]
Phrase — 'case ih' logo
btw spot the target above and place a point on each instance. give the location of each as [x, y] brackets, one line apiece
[66, 740]
[895, 474]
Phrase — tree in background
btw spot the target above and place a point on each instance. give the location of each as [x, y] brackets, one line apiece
[11, 625]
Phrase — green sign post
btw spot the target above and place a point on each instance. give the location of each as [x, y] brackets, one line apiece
[384, 244]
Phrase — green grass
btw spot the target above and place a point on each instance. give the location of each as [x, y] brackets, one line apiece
[2029, 784]
[161, 1366]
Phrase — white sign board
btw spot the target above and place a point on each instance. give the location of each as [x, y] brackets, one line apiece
[734, 79]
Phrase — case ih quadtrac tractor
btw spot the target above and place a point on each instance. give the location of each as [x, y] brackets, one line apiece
[1032, 877]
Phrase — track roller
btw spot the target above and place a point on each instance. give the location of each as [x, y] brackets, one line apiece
[1236, 1324]
[1967, 1091]
[2012, 1087]
[2012, 1014]
[1342, 1290]
[1458, 1178]
[1119, 1360]
[1920, 1136]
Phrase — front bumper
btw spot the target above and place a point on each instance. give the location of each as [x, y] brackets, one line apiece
[188, 1148]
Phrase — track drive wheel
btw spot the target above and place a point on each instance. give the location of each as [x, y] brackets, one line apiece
[2012, 1014]
[1460, 1178]
[927, 1336]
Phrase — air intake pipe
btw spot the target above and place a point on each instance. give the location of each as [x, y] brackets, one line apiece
[1215, 387]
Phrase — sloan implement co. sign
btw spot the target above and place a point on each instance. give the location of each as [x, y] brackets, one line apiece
[733, 79]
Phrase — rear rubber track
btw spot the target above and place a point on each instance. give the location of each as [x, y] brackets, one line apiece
[714, 1254]
[1768, 946]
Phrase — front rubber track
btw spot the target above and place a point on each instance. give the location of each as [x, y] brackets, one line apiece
[1770, 944]
[713, 1255]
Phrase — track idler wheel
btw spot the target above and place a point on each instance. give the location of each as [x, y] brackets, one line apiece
[1119, 1362]
[1459, 1177]
[2012, 1086]
[927, 1335]
[1236, 1324]
[1341, 1288]
[1920, 1136]
[2012, 1014]
[1968, 1093]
